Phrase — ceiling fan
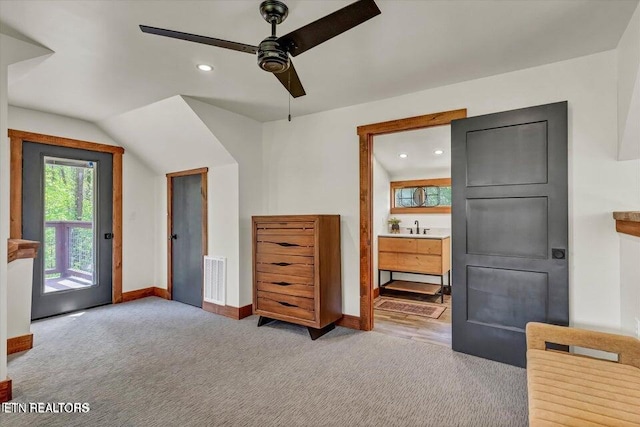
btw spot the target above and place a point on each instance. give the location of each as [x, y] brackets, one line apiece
[273, 52]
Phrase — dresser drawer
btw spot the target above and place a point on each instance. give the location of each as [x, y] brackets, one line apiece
[286, 305]
[429, 246]
[276, 227]
[397, 244]
[410, 263]
[290, 265]
[288, 285]
[285, 244]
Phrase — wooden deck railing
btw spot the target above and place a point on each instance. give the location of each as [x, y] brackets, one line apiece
[62, 262]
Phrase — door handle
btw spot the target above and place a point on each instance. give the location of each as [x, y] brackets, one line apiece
[173, 237]
[557, 253]
[108, 236]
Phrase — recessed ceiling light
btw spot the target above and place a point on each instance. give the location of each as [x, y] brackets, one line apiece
[403, 155]
[204, 67]
[438, 152]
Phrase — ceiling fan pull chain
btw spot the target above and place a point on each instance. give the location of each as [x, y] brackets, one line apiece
[289, 94]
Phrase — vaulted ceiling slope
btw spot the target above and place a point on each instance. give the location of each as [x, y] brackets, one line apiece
[104, 66]
[169, 136]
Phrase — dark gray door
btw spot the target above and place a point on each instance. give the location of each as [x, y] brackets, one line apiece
[509, 228]
[67, 205]
[186, 235]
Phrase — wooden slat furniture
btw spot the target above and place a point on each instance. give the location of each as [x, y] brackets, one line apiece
[574, 390]
[297, 271]
[415, 255]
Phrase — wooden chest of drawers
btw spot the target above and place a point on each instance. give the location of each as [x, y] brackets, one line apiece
[297, 271]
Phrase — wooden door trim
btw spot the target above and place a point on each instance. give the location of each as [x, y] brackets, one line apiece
[366, 134]
[203, 172]
[17, 138]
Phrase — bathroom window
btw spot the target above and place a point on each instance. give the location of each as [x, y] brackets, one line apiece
[421, 196]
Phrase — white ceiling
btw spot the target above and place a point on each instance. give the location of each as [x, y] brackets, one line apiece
[419, 145]
[104, 66]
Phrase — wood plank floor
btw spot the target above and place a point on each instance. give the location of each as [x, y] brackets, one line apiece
[417, 328]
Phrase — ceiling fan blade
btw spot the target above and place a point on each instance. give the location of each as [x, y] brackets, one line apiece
[240, 47]
[334, 24]
[291, 81]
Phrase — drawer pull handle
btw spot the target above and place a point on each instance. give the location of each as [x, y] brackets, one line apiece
[282, 283]
[281, 264]
[286, 304]
[285, 244]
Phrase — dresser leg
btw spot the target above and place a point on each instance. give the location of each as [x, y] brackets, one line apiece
[317, 333]
[264, 320]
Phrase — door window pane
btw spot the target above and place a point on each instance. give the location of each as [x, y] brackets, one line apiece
[69, 219]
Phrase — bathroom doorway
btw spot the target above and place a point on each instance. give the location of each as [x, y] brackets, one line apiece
[412, 234]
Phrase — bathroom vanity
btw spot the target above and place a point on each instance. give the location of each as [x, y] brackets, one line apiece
[418, 254]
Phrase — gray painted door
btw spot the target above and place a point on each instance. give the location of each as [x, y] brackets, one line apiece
[186, 249]
[73, 268]
[509, 228]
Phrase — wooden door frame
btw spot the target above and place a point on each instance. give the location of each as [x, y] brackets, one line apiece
[366, 134]
[17, 138]
[203, 172]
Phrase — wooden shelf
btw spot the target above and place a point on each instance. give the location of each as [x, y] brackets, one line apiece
[415, 287]
[19, 248]
[628, 222]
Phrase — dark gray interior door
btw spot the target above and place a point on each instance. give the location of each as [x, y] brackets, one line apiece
[67, 199]
[186, 235]
[509, 228]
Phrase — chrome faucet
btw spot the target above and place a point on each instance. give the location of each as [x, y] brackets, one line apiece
[417, 227]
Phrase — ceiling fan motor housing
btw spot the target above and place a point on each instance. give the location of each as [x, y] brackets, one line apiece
[271, 57]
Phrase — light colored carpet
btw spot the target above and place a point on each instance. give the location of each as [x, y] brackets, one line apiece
[153, 362]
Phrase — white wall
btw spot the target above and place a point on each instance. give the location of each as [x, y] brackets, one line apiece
[381, 206]
[13, 51]
[321, 152]
[137, 206]
[628, 60]
[20, 281]
[242, 137]
[629, 282]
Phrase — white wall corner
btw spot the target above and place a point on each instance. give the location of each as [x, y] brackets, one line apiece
[628, 75]
[14, 50]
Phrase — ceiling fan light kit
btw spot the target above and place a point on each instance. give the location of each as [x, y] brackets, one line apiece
[273, 53]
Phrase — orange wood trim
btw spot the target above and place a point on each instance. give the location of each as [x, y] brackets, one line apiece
[197, 171]
[628, 227]
[203, 172]
[228, 311]
[137, 294]
[366, 232]
[440, 182]
[366, 134]
[412, 123]
[20, 249]
[424, 210]
[143, 293]
[17, 139]
[351, 322]
[170, 241]
[161, 293]
[5, 390]
[15, 196]
[116, 279]
[376, 292]
[19, 343]
[64, 142]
